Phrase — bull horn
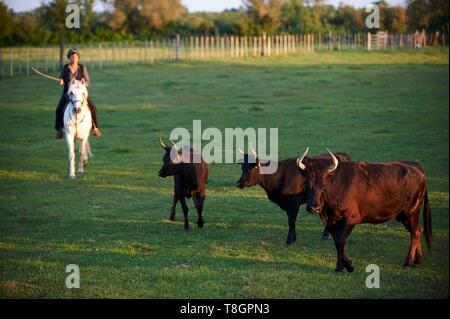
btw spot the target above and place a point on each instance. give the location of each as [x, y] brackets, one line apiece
[335, 162]
[164, 146]
[300, 160]
[253, 151]
[174, 145]
[240, 150]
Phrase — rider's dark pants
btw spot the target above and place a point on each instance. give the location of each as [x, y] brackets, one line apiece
[63, 101]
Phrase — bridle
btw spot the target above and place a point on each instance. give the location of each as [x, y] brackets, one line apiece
[71, 112]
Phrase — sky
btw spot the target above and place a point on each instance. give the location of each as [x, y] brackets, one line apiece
[195, 5]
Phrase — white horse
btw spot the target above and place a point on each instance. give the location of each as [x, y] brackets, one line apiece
[77, 125]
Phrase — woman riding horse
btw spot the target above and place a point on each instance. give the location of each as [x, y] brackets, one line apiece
[70, 71]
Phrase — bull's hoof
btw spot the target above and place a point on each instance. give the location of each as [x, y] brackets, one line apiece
[172, 217]
[72, 177]
[408, 264]
[325, 237]
[290, 241]
[85, 163]
[339, 270]
[186, 228]
[418, 261]
[200, 223]
[350, 268]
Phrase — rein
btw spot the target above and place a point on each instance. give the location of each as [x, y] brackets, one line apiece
[72, 113]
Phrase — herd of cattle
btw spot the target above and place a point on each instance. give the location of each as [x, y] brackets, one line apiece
[344, 193]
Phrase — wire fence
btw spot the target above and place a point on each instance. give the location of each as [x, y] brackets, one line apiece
[16, 61]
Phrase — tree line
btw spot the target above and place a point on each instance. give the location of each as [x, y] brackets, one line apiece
[144, 19]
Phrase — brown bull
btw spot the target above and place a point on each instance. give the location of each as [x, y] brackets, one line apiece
[346, 194]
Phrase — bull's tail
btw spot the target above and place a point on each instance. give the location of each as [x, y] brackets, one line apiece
[427, 221]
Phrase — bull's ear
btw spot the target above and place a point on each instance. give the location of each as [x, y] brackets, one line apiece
[83, 81]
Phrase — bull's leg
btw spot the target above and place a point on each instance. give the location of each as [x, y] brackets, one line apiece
[172, 209]
[71, 148]
[198, 202]
[416, 232]
[292, 217]
[185, 212]
[325, 233]
[340, 234]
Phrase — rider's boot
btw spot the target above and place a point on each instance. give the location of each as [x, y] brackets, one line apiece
[96, 132]
[59, 135]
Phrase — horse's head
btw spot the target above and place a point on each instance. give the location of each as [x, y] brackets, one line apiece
[77, 94]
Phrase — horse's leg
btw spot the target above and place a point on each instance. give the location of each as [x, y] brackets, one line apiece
[86, 153]
[82, 156]
[71, 147]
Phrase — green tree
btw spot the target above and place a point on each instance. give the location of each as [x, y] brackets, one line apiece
[6, 24]
[264, 15]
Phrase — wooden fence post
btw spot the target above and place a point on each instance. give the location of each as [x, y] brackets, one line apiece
[222, 46]
[1, 64]
[28, 60]
[36, 62]
[10, 62]
[100, 56]
[177, 48]
[45, 60]
[61, 54]
[20, 61]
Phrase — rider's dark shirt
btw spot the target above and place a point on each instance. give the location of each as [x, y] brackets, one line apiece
[67, 76]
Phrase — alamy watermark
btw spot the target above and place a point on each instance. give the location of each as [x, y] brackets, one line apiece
[73, 279]
[373, 19]
[73, 17]
[213, 151]
[373, 280]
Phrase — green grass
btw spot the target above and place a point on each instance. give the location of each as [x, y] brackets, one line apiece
[114, 224]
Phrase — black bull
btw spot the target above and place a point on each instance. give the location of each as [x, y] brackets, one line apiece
[351, 193]
[189, 181]
[285, 187]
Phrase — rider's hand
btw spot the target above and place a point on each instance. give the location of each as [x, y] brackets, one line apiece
[61, 82]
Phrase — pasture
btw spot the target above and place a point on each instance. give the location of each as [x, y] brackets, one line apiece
[113, 222]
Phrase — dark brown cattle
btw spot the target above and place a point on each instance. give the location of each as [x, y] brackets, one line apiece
[285, 187]
[346, 194]
[189, 181]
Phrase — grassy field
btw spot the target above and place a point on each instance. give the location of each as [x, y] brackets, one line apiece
[113, 222]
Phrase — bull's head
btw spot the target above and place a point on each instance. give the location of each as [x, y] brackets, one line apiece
[316, 176]
[171, 160]
[250, 166]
